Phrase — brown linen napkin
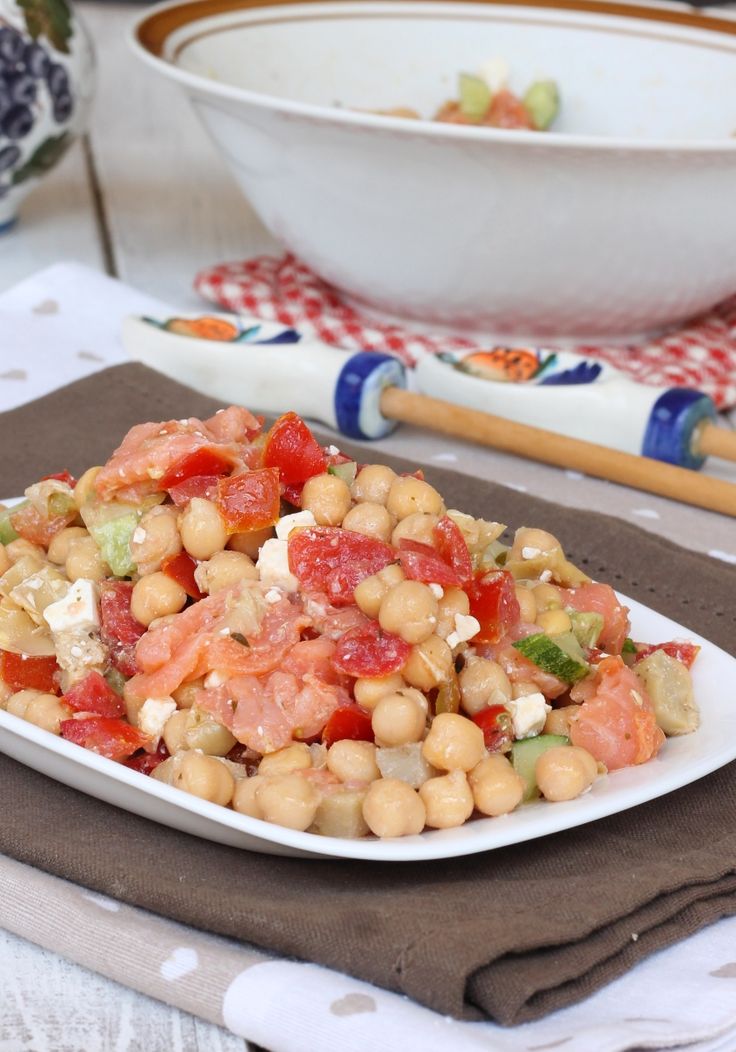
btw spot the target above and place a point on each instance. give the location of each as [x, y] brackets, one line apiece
[510, 934]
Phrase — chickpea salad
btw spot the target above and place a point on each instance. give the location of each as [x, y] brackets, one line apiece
[264, 623]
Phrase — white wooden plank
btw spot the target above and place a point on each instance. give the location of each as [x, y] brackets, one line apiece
[57, 222]
[171, 203]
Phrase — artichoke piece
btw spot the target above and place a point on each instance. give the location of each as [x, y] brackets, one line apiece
[406, 763]
[20, 635]
[341, 814]
[670, 688]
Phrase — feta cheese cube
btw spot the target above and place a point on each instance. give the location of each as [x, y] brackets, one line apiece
[290, 522]
[495, 72]
[466, 626]
[530, 553]
[77, 609]
[437, 590]
[273, 565]
[153, 715]
[528, 714]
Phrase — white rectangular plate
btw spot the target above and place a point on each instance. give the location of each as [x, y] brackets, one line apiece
[681, 761]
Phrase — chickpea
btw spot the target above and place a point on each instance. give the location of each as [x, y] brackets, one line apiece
[175, 731]
[409, 610]
[564, 772]
[483, 683]
[398, 719]
[156, 595]
[370, 519]
[522, 687]
[371, 591]
[409, 495]
[353, 761]
[85, 560]
[206, 777]
[429, 664]
[6, 693]
[60, 543]
[418, 527]
[224, 570]
[288, 800]
[133, 706]
[186, 695]
[250, 543]
[447, 799]
[527, 603]
[454, 743]
[558, 720]
[294, 757]
[194, 728]
[369, 690]
[392, 808]
[497, 788]
[155, 538]
[532, 538]
[85, 487]
[18, 703]
[554, 622]
[4, 560]
[373, 484]
[328, 499]
[245, 797]
[547, 597]
[47, 711]
[202, 530]
[454, 601]
[20, 547]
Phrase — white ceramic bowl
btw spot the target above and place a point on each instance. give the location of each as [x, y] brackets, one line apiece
[619, 221]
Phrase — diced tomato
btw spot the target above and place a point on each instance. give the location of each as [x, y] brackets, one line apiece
[349, 722]
[22, 672]
[496, 724]
[493, 602]
[180, 568]
[334, 561]
[507, 111]
[369, 651]
[451, 545]
[331, 459]
[118, 628]
[94, 694]
[105, 735]
[292, 448]
[204, 486]
[292, 494]
[61, 476]
[420, 562]
[37, 528]
[146, 762]
[684, 652]
[249, 501]
[203, 461]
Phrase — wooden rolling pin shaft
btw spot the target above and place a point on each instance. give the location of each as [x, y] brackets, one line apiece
[642, 473]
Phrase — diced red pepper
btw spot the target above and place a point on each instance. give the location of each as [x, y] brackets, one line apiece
[146, 762]
[292, 448]
[452, 547]
[204, 486]
[118, 628]
[22, 672]
[684, 652]
[369, 651]
[105, 735]
[328, 559]
[180, 568]
[249, 501]
[61, 476]
[350, 722]
[497, 727]
[420, 562]
[493, 602]
[29, 523]
[203, 461]
[94, 694]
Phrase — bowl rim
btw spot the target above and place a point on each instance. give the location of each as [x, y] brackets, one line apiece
[150, 32]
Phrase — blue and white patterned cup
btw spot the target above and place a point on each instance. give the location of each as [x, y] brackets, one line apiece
[46, 85]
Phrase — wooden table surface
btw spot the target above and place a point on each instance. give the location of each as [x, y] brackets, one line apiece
[146, 197]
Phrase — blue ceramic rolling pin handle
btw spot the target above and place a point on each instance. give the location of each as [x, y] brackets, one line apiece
[358, 391]
[670, 434]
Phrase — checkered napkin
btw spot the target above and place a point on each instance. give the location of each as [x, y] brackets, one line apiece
[702, 354]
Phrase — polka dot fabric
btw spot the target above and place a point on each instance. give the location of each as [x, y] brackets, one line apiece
[702, 354]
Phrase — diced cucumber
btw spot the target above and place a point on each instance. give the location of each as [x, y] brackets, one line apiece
[7, 533]
[113, 540]
[561, 656]
[586, 627]
[629, 646]
[475, 97]
[524, 756]
[346, 471]
[542, 101]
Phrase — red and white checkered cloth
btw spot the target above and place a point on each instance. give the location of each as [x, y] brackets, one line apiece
[701, 355]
